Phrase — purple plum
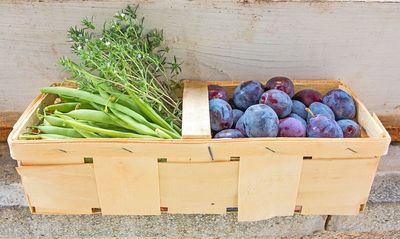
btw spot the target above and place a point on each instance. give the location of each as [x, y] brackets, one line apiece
[291, 127]
[281, 83]
[341, 103]
[230, 101]
[317, 108]
[260, 121]
[247, 94]
[240, 126]
[236, 115]
[321, 126]
[296, 116]
[339, 132]
[308, 96]
[229, 133]
[278, 100]
[217, 92]
[349, 128]
[221, 115]
[299, 108]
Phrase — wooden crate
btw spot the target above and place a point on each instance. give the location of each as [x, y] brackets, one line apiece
[258, 177]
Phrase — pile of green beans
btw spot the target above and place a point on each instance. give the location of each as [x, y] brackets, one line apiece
[82, 114]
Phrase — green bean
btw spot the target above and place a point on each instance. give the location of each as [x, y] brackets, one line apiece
[134, 120]
[62, 107]
[96, 106]
[121, 98]
[103, 135]
[66, 99]
[104, 94]
[137, 127]
[89, 97]
[172, 134]
[45, 122]
[86, 134]
[91, 115]
[86, 119]
[177, 129]
[106, 126]
[55, 121]
[151, 113]
[128, 123]
[121, 123]
[42, 136]
[115, 119]
[162, 134]
[112, 133]
[48, 129]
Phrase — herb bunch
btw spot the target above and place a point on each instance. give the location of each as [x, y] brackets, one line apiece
[128, 65]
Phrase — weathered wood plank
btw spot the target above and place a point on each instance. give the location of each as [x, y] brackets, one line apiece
[220, 40]
[392, 125]
[7, 120]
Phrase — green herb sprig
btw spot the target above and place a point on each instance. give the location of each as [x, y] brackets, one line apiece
[128, 64]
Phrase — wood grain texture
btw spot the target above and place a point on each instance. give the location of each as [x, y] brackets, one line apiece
[34, 152]
[127, 186]
[7, 121]
[74, 151]
[268, 186]
[207, 188]
[335, 187]
[267, 181]
[220, 40]
[392, 125]
[196, 116]
[65, 189]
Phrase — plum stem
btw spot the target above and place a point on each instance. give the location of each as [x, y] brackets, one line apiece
[309, 111]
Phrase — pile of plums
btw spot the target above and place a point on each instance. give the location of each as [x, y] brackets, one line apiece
[274, 110]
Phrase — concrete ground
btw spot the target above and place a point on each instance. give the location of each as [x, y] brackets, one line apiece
[381, 219]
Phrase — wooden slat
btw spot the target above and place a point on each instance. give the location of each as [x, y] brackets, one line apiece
[74, 151]
[67, 189]
[127, 186]
[268, 186]
[322, 148]
[196, 116]
[335, 187]
[207, 188]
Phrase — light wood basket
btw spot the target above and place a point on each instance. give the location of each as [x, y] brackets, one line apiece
[258, 178]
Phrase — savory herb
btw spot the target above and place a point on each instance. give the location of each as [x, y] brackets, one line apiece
[127, 64]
